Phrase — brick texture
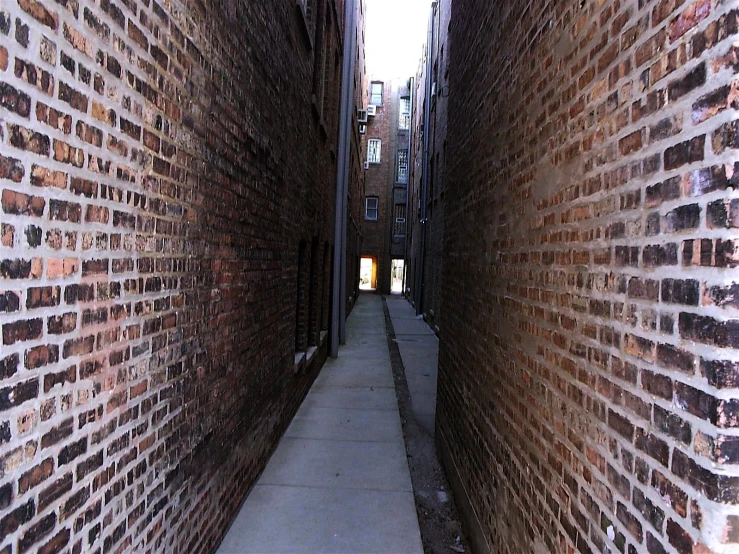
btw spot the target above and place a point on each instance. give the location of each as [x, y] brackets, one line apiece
[160, 166]
[430, 255]
[378, 183]
[589, 351]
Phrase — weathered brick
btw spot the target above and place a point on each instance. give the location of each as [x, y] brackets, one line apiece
[35, 76]
[678, 538]
[61, 210]
[21, 269]
[652, 446]
[684, 153]
[78, 347]
[17, 203]
[708, 330]
[68, 154]
[703, 181]
[689, 18]
[22, 33]
[659, 255]
[60, 378]
[35, 476]
[40, 356]
[672, 425]
[9, 301]
[681, 291]
[630, 521]
[18, 394]
[9, 366]
[74, 98]
[57, 543]
[17, 517]
[630, 143]
[22, 330]
[14, 100]
[682, 218]
[726, 136]
[54, 118]
[39, 12]
[43, 177]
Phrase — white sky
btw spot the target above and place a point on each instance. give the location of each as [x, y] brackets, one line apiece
[395, 31]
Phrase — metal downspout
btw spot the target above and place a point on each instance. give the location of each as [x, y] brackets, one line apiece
[338, 311]
[425, 174]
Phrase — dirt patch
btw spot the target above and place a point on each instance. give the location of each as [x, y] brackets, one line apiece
[441, 529]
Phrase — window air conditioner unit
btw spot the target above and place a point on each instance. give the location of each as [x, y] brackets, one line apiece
[372, 110]
[362, 129]
[366, 165]
[362, 116]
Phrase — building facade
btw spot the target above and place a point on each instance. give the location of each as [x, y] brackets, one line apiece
[589, 352]
[387, 171]
[428, 154]
[168, 184]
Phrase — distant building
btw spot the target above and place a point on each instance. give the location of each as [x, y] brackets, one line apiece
[387, 139]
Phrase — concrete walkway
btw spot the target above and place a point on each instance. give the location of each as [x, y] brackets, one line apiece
[419, 349]
[339, 480]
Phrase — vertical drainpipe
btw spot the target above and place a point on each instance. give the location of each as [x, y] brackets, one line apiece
[406, 252]
[425, 174]
[338, 311]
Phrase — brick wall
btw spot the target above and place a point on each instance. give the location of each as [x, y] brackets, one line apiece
[398, 183]
[589, 357]
[376, 234]
[430, 255]
[160, 166]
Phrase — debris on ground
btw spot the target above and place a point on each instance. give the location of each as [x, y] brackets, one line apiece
[438, 519]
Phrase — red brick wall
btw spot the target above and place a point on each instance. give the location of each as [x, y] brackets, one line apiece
[589, 358]
[159, 167]
[376, 239]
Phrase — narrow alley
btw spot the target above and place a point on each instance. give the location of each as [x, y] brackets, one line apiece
[339, 480]
[369, 276]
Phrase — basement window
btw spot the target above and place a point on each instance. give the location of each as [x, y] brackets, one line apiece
[372, 208]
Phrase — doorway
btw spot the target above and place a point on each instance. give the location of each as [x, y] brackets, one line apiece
[368, 274]
[397, 276]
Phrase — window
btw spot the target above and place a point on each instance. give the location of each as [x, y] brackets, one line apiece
[376, 94]
[314, 295]
[307, 9]
[405, 114]
[301, 312]
[402, 170]
[399, 225]
[372, 208]
[327, 276]
[373, 151]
